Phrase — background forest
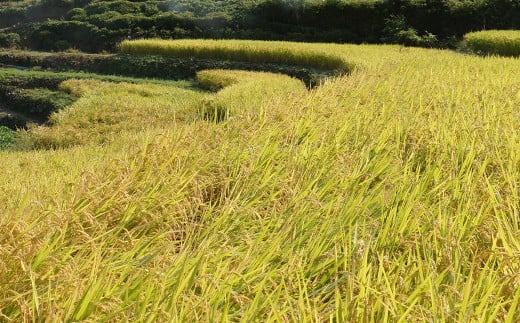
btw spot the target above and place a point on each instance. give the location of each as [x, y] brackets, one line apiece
[94, 26]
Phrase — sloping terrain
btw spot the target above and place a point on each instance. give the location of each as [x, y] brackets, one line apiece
[387, 194]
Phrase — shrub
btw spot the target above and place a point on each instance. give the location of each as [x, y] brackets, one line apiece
[9, 40]
[11, 16]
[53, 34]
[500, 42]
[122, 7]
[57, 3]
[78, 14]
[398, 31]
[7, 137]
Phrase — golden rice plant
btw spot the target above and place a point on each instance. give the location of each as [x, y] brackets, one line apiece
[244, 93]
[390, 194]
[248, 51]
[499, 42]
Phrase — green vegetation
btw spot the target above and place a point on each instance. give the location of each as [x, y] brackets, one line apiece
[52, 80]
[38, 103]
[95, 26]
[9, 40]
[500, 42]
[7, 137]
[32, 96]
[151, 66]
[389, 194]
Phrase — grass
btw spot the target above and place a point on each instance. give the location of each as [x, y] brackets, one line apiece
[390, 194]
[31, 78]
[497, 42]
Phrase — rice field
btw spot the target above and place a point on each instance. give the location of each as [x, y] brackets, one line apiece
[389, 194]
[494, 42]
[249, 51]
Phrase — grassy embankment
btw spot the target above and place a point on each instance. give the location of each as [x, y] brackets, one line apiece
[388, 194]
[31, 96]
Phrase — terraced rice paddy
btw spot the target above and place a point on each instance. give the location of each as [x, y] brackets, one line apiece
[388, 194]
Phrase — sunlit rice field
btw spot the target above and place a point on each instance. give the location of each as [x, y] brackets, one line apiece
[389, 194]
[316, 55]
[494, 42]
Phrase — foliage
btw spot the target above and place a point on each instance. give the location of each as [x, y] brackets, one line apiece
[500, 42]
[122, 7]
[95, 26]
[399, 32]
[7, 137]
[9, 40]
[61, 35]
[151, 66]
[10, 16]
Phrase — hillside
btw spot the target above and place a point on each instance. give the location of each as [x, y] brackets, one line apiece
[95, 26]
[290, 176]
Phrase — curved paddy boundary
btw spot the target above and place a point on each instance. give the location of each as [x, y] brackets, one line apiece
[159, 66]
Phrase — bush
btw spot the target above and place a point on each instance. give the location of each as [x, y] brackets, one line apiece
[397, 31]
[11, 16]
[9, 40]
[78, 14]
[121, 6]
[57, 3]
[7, 137]
[500, 42]
[55, 35]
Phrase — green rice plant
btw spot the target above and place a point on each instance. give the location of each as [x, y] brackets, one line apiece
[494, 42]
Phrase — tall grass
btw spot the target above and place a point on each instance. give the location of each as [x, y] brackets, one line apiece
[499, 42]
[388, 195]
